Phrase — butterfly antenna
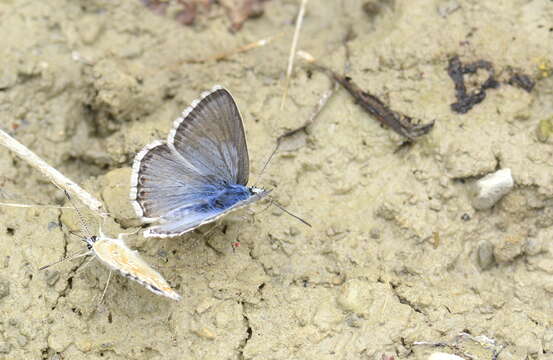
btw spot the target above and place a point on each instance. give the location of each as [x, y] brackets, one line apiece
[71, 257]
[71, 232]
[105, 289]
[81, 218]
[123, 235]
[289, 213]
[267, 163]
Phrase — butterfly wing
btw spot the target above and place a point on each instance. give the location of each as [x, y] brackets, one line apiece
[210, 137]
[191, 220]
[115, 254]
[172, 182]
[161, 182]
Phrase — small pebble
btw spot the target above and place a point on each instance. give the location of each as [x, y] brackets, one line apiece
[293, 231]
[204, 305]
[375, 233]
[327, 316]
[544, 129]
[205, 333]
[22, 340]
[372, 8]
[508, 248]
[435, 205]
[491, 188]
[90, 30]
[533, 247]
[53, 225]
[386, 211]
[352, 320]
[485, 254]
[448, 7]
[4, 347]
[52, 277]
[545, 219]
[4, 288]
[8, 77]
[356, 296]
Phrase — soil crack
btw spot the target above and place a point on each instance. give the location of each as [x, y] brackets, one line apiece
[405, 301]
[249, 333]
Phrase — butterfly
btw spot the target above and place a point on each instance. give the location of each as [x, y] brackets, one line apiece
[199, 174]
[117, 256]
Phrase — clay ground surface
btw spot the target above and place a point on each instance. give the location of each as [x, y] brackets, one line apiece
[397, 254]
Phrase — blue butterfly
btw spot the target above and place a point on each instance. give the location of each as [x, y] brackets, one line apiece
[199, 174]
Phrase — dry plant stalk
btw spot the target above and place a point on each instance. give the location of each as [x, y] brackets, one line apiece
[50, 173]
[244, 48]
[292, 56]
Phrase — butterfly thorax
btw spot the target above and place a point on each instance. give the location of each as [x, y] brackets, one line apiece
[226, 196]
[90, 240]
[255, 190]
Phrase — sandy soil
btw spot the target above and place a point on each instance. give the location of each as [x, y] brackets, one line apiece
[397, 254]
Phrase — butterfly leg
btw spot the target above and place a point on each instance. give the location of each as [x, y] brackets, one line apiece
[208, 232]
[105, 289]
[86, 263]
[253, 213]
[123, 235]
[212, 242]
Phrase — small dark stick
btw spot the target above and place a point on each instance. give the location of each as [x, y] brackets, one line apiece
[400, 123]
[522, 81]
[318, 108]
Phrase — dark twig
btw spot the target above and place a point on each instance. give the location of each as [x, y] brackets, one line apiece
[522, 81]
[400, 123]
[318, 108]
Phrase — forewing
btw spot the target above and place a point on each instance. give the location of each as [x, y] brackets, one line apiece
[210, 137]
[162, 182]
[119, 257]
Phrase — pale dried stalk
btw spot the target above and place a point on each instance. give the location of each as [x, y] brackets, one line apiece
[292, 56]
[50, 173]
[243, 48]
[34, 206]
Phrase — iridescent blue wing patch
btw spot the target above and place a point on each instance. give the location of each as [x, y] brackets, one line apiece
[189, 218]
[199, 174]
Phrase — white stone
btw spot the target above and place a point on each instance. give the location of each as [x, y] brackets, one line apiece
[491, 188]
[444, 356]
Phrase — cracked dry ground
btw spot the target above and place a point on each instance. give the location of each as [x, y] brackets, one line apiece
[397, 254]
